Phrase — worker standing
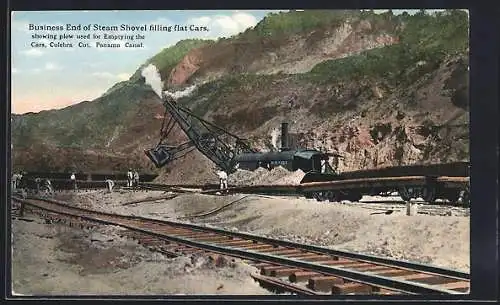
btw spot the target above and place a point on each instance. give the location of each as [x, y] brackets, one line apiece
[222, 179]
[130, 176]
[136, 179]
[37, 182]
[48, 186]
[73, 181]
[14, 182]
[111, 184]
[21, 182]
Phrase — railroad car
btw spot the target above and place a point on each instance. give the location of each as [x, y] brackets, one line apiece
[430, 182]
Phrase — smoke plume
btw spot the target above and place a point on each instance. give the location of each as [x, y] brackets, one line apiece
[153, 78]
[181, 93]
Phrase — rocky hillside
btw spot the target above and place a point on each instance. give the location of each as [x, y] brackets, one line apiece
[379, 89]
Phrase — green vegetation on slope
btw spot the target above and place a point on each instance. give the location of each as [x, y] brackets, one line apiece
[293, 22]
[424, 38]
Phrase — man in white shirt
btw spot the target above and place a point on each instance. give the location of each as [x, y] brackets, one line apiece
[15, 181]
[73, 180]
[130, 176]
[136, 178]
[222, 179]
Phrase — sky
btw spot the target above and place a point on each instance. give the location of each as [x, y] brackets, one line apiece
[45, 78]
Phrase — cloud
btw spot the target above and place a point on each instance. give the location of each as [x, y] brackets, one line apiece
[33, 52]
[15, 71]
[108, 75]
[221, 25]
[225, 25]
[123, 76]
[50, 66]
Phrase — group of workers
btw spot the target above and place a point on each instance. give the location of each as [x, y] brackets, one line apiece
[108, 181]
[132, 178]
[45, 184]
[16, 180]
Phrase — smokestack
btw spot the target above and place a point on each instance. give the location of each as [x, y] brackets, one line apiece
[284, 136]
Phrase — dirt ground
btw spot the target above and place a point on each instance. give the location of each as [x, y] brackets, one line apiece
[60, 260]
[440, 237]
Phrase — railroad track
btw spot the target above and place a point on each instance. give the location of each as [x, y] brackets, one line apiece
[284, 266]
[305, 189]
[90, 187]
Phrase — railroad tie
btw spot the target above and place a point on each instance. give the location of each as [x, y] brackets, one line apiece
[459, 286]
[394, 272]
[302, 276]
[176, 231]
[213, 238]
[318, 258]
[354, 265]
[414, 276]
[283, 251]
[302, 255]
[435, 280]
[356, 288]
[259, 248]
[387, 292]
[337, 263]
[268, 269]
[194, 234]
[284, 271]
[371, 268]
[236, 243]
[324, 283]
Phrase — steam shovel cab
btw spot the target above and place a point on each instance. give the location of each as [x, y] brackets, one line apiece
[307, 160]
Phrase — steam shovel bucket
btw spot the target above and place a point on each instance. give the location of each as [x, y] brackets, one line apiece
[158, 155]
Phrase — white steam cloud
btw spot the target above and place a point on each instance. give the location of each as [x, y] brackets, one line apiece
[274, 137]
[153, 78]
[181, 93]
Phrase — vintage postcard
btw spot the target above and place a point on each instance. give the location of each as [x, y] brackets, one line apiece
[240, 152]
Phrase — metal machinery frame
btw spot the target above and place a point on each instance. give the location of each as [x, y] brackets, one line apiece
[216, 143]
